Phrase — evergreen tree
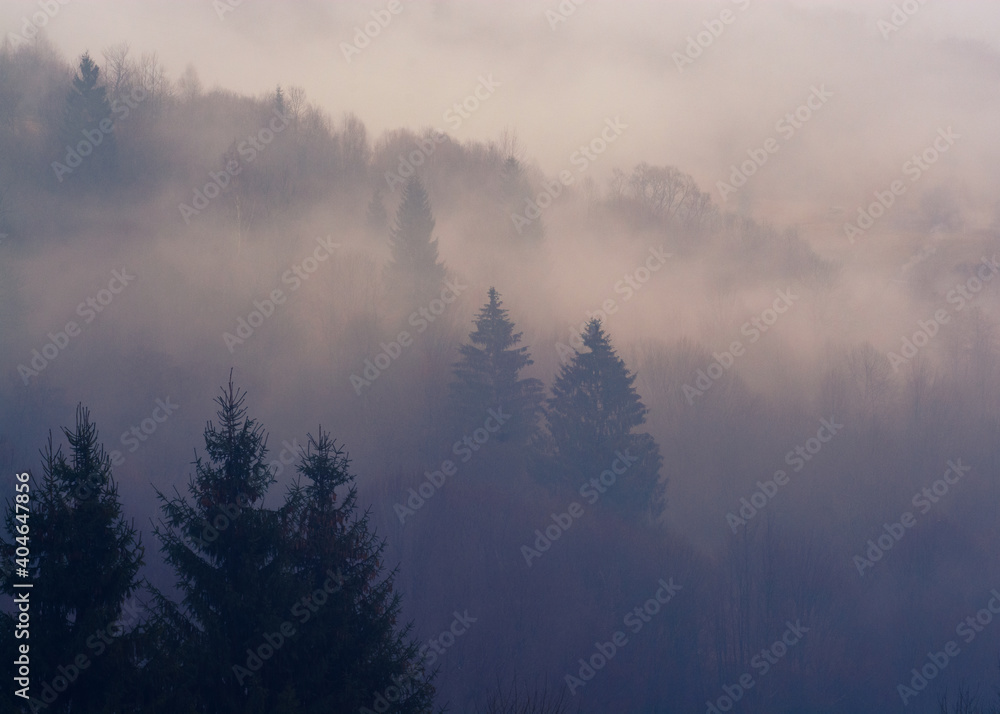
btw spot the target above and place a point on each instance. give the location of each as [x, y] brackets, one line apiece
[279, 100]
[351, 652]
[84, 563]
[592, 414]
[226, 550]
[414, 271]
[487, 376]
[284, 610]
[87, 122]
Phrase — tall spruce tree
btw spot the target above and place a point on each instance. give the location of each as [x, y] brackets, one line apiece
[88, 126]
[487, 376]
[227, 552]
[83, 566]
[414, 271]
[284, 610]
[351, 653]
[592, 415]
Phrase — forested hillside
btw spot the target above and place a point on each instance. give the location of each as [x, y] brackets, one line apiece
[592, 439]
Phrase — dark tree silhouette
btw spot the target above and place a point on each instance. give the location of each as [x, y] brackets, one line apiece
[226, 550]
[279, 100]
[351, 652]
[84, 564]
[487, 376]
[87, 133]
[283, 610]
[592, 416]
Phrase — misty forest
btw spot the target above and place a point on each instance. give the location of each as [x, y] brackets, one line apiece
[565, 357]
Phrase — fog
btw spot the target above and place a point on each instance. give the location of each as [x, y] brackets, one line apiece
[789, 233]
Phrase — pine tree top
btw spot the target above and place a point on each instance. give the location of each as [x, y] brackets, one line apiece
[597, 386]
[494, 329]
[89, 74]
[236, 448]
[492, 355]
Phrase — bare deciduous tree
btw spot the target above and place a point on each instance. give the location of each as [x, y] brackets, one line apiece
[151, 76]
[119, 71]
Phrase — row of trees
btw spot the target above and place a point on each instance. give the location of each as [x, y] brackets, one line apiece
[140, 108]
[594, 408]
[590, 420]
[283, 609]
[97, 102]
[232, 638]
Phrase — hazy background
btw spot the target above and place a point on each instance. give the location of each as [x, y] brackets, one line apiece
[162, 336]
